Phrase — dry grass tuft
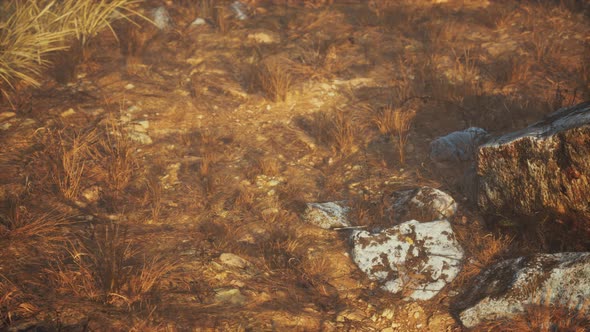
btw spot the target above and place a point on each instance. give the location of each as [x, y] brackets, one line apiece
[396, 123]
[484, 250]
[106, 265]
[69, 160]
[13, 303]
[27, 35]
[32, 30]
[116, 153]
[274, 78]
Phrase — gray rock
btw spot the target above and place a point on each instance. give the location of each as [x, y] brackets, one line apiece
[424, 204]
[235, 261]
[458, 146]
[327, 215]
[505, 289]
[139, 137]
[544, 168]
[162, 18]
[230, 296]
[413, 259]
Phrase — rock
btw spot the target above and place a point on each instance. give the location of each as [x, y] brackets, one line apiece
[7, 115]
[506, 288]
[327, 215]
[414, 259]
[67, 113]
[354, 315]
[457, 147]
[129, 86]
[161, 18]
[264, 37]
[235, 261]
[139, 137]
[544, 168]
[199, 21]
[92, 194]
[230, 296]
[424, 204]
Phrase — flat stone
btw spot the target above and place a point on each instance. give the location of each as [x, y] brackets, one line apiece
[230, 296]
[327, 215]
[414, 259]
[235, 261]
[424, 204]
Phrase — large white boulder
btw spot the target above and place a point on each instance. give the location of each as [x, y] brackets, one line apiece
[413, 259]
[505, 289]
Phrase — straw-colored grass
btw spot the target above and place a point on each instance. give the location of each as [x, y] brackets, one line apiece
[26, 37]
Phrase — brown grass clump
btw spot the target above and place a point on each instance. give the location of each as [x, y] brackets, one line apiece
[395, 122]
[69, 159]
[13, 303]
[117, 155]
[106, 265]
[274, 78]
[27, 36]
[484, 249]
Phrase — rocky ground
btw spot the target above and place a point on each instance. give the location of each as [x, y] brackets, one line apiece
[161, 181]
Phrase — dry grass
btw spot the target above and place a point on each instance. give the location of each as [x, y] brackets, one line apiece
[69, 159]
[484, 249]
[13, 303]
[106, 265]
[274, 78]
[222, 18]
[27, 36]
[117, 155]
[35, 29]
[396, 123]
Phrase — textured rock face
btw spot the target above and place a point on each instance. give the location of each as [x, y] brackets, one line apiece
[457, 147]
[424, 204]
[545, 279]
[413, 259]
[543, 168]
[327, 215]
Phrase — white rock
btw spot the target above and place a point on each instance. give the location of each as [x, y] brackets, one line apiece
[129, 86]
[327, 215]
[264, 37]
[424, 204]
[231, 260]
[505, 289]
[458, 146]
[413, 258]
[161, 18]
[198, 21]
[230, 296]
[140, 137]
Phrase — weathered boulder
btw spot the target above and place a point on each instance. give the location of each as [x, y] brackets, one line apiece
[454, 155]
[457, 147]
[413, 259]
[542, 168]
[327, 215]
[505, 289]
[424, 204]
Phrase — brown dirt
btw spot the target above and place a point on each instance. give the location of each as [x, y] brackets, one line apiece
[229, 168]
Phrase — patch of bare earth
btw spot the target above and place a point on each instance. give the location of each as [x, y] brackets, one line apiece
[162, 187]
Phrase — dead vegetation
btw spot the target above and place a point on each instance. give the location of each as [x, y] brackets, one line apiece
[340, 106]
